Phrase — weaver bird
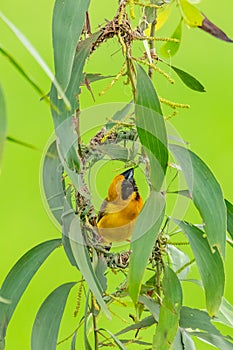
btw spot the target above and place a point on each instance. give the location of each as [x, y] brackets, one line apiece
[120, 209]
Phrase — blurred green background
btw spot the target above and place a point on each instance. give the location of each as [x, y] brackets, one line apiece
[207, 126]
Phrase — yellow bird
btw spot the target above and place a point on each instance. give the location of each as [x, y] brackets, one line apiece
[120, 209]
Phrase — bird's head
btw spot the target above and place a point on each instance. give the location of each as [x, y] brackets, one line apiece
[122, 186]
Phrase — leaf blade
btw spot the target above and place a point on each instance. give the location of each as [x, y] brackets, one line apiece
[46, 325]
[144, 235]
[207, 195]
[210, 266]
[19, 277]
[151, 127]
[68, 21]
[189, 80]
[169, 312]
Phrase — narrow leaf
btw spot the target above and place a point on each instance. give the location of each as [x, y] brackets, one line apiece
[47, 322]
[19, 277]
[68, 21]
[151, 127]
[179, 259]
[196, 319]
[83, 261]
[36, 56]
[144, 235]
[93, 77]
[207, 195]
[3, 122]
[22, 143]
[212, 29]
[169, 312]
[146, 322]
[225, 314]
[119, 344]
[210, 266]
[151, 305]
[229, 217]
[170, 48]
[189, 80]
[73, 342]
[24, 74]
[219, 341]
[191, 15]
[52, 182]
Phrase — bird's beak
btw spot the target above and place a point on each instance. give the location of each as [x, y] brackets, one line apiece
[128, 174]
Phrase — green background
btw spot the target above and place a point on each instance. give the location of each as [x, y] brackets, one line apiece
[208, 126]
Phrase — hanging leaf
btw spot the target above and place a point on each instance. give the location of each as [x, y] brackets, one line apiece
[24, 74]
[93, 77]
[47, 322]
[34, 53]
[225, 313]
[143, 239]
[212, 29]
[83, 261]
[179, 260]
[119, 115]
[68, 21]
[196, 319]
[210, 266]
[191, 15]
[170, 48]
[146, 322]
[114, 151]
[207, 195]
[119, 344]
[18, 279]
[229, 217]
[189, 80]
[151, 305]
[151, 127]
[3, 122]
[169, 312]
[53, 183]
[73, 342]
[22, 143]
[219, 341]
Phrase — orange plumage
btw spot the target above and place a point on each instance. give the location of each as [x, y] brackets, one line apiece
[120, 209]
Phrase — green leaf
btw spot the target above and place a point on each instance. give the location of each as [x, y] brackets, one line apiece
[170, 48]
[196, 319]
[87, 317]
[151, 305]
[146, 322]
[210, 266]
[189, 80]
[218, 341]
[53, 183]
[19, 277]
[67, 217]
[24, 74]
[143, 239]
[93, 77]
[207, 195]
[3, 122]
[225, 314]
[119, 344]
[83, 261]
[22, 143]
[47, 322]
[229, 217]
[119, 115]
[73, 342]
[191, 15]
[114, 151]
[183, 341]
[212, 29]
[169, 312]
[35, 54]
[179, 259]
[151, 127]
[68, 21]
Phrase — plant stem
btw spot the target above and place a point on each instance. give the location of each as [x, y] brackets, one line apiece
[96, 341]
[152, 46]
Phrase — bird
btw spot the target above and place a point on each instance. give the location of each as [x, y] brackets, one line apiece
[120, 208]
